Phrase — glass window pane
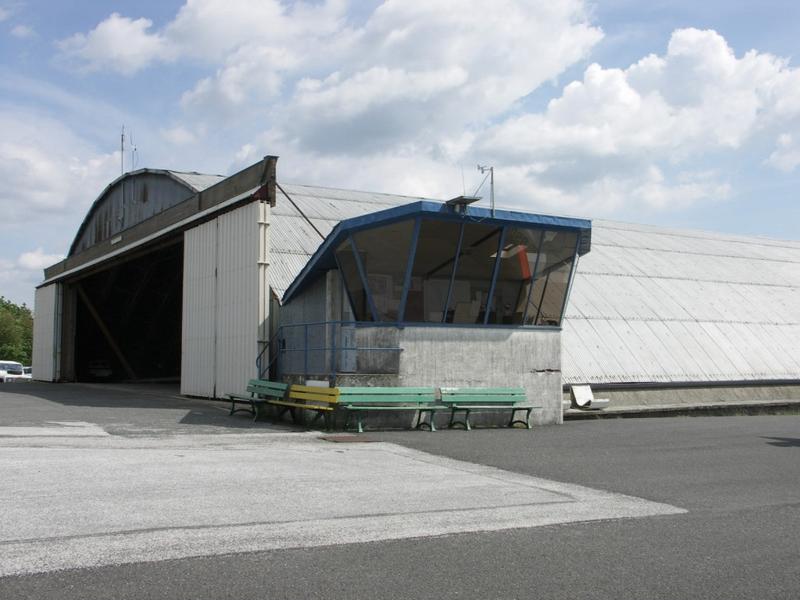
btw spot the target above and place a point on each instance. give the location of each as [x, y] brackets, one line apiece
[352, 281]
[517, 264]
[552, 278]
[474, 274]
[384, 255]
[433, 267]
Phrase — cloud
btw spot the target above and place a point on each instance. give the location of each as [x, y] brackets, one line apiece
[19, 277]
[36, 260]
[786, 156]
[47, 169]
[611, 137]
[23, 32]
[178, 136]
[4, 14]
[118, 44]
[398, 98]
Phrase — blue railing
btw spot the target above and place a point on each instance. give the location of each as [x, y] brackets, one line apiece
[327, 348]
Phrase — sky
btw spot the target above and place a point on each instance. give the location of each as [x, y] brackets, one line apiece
[676, 113]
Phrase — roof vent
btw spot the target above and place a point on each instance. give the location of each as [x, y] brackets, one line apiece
[459, 204]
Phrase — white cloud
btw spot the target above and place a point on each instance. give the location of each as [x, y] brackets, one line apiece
[36, 260]
[178, 136]
[119, 44]
[399, 99]
[611, 137]
[786, 156]
[46, 169]
[22, 32]
[4, 14]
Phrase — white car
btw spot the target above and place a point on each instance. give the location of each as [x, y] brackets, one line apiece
[11, 370]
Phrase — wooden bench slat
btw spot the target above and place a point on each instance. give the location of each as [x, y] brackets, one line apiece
[468, 399]
[295, 395]
[364, 399]
[297, 405]
[386, 391]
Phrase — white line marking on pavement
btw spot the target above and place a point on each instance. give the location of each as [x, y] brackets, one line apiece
[56, 429]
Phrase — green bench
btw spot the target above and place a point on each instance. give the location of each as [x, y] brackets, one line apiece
[361, 400]
[467, 400]
[260, 392]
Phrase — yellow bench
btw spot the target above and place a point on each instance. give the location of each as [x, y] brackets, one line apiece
[321, 400]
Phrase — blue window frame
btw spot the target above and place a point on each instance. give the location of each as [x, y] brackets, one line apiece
[426, 263]
[437, 271]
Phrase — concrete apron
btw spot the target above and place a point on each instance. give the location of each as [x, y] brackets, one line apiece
[122, 500]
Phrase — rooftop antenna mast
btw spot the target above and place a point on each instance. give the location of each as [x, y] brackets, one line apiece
[134, 151]
[122, 152]
[483, 169]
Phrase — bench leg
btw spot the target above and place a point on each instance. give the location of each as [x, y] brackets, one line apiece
[234, 410]
[360, 422]
[465, 423]
[347, 420]
[526, 422]
[430, 423]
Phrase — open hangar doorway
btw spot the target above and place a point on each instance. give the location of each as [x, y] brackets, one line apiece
[126, 319]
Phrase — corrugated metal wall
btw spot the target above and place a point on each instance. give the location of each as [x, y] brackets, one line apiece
[198, 337]
[221, 316]
[46, 332]
[658, 305]
[237, 298]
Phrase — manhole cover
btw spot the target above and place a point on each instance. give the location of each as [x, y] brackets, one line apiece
[347, 439]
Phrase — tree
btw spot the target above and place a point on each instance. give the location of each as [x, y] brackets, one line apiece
[16, 332]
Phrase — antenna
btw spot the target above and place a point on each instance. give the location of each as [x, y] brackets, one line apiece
[483, 169]
[122, 152]
[134, 152]
[463, 185]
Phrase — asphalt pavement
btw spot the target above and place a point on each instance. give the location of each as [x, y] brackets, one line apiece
[717, 504]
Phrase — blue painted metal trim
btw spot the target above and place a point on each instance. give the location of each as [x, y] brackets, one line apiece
[344, 284]
[495, 271]
[412, 254]
[322, 260]
[533, 276]
[453, 273]
[571, 277]
[363, 274]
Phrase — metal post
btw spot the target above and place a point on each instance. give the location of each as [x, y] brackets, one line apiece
[572, 270]
[305, 350]
[453, 274]
[495, 271]
[401, 312]
[333, 351]
[363, 274]
[533, 276]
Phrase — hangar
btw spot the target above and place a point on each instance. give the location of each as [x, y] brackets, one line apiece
[210, 281]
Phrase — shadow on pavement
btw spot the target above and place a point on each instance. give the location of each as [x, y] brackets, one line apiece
[781, 442]
[143, 402]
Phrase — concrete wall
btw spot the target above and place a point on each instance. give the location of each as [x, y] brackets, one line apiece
[308, 307]
[486, 357]
[651, 396]
[429, 356]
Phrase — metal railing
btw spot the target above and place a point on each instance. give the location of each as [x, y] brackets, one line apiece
[326, 348]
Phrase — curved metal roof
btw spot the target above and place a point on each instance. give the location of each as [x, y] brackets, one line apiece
[149, 191]
[648, 304]
[651, 304]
